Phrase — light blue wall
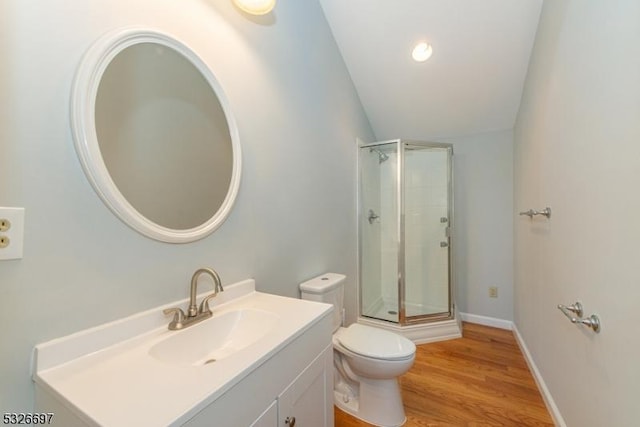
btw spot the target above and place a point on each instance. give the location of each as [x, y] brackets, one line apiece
[483, 227]
[295, 216]
[577, 150]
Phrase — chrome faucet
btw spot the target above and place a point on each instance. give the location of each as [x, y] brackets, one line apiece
[195, 314]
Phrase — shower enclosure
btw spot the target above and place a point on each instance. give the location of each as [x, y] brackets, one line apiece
[406, 211]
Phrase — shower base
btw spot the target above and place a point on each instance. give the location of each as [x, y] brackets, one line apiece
[388, 310]
[383, 316]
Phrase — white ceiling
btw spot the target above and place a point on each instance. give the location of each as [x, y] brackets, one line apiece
[472, 83]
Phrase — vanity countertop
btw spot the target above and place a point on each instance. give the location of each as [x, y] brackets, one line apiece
[107, 377]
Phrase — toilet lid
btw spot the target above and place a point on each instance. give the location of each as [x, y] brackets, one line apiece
[376, 343]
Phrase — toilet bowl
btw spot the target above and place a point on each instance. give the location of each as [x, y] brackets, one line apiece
[367, 360]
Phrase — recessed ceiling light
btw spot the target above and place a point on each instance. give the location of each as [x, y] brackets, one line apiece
[256, 7]
[422, 51]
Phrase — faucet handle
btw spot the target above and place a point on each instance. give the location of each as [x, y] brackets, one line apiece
[204, 305]
[178, 317]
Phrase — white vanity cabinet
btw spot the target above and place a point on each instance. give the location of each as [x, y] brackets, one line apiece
[308, 401]
[307, 398]
[128, 373]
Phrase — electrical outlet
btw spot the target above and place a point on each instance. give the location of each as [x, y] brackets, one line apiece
[11, 233]
[493, 291]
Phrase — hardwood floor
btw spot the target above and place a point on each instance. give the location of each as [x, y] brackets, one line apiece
[480, 379]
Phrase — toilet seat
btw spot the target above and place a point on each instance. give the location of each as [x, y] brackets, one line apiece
[375, 343]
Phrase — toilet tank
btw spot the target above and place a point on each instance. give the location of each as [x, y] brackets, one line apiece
[327, 288]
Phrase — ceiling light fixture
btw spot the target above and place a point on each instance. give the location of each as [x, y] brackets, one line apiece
[421, 52]
[256, 7]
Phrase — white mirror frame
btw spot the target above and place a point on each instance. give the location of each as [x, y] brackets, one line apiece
[82, 109]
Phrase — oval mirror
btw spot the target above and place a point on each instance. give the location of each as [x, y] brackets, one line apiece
[155, 135]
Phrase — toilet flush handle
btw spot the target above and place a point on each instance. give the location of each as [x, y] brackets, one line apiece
[290, 421]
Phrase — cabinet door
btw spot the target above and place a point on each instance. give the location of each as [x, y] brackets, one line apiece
[269, 418]
[308, 400]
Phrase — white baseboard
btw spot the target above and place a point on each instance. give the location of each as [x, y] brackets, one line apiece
[487, 321]
[544, 391]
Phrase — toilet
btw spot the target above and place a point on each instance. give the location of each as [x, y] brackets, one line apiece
[367, 361]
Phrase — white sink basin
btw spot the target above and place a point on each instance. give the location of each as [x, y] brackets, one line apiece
[215, 338]
[136, 372]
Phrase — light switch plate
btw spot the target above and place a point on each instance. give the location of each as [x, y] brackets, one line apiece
[12, 220]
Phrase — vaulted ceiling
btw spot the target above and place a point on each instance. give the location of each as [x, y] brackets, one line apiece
[473, 81]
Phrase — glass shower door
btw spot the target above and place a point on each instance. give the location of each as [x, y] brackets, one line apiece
[379, 231]
[426, 194]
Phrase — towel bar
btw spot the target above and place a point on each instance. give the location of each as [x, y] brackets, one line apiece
[531, 212]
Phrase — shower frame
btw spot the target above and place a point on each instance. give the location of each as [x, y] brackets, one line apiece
[403, 319]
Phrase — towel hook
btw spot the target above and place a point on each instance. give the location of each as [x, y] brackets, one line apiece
[592, 321]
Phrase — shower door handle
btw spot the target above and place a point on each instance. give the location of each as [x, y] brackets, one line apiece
[444, 244]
